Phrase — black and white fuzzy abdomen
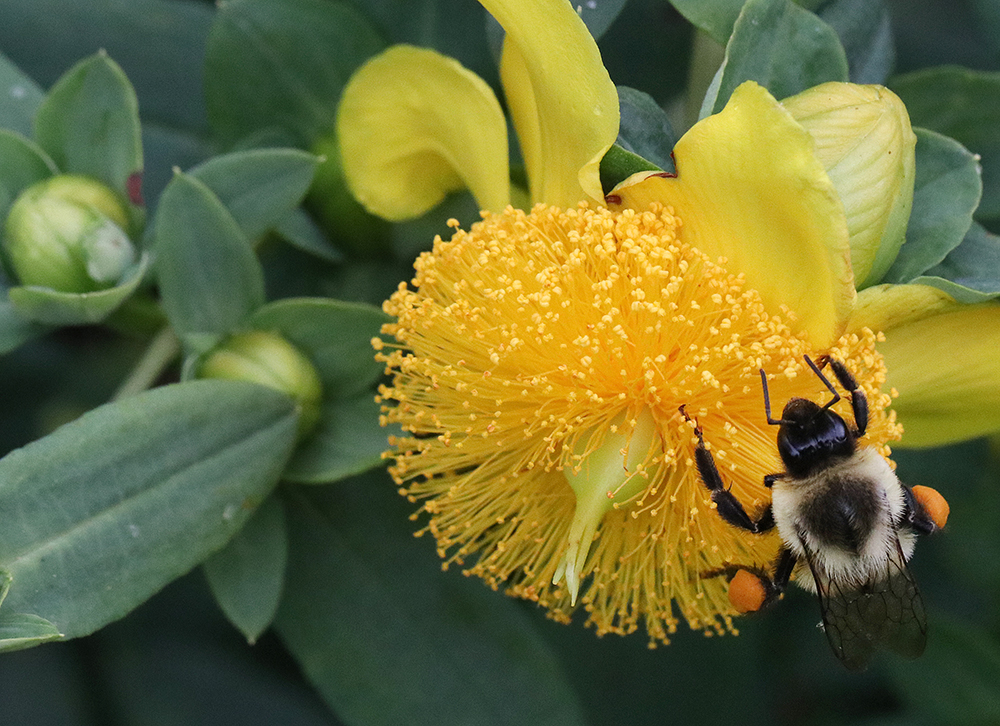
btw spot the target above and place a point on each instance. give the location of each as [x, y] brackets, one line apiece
[843, 520]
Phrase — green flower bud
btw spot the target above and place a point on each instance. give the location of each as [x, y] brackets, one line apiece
[270, 360]
[67, 233]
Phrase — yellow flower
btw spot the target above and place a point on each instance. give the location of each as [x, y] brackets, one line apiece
[540, 358]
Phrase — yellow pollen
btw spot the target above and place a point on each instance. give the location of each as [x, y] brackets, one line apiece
[533, 342]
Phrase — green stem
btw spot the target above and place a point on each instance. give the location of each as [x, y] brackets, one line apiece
[162, 350]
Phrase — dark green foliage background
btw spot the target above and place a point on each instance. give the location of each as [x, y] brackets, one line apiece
[176, 660]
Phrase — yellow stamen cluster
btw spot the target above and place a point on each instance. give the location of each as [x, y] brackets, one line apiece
[535, 339]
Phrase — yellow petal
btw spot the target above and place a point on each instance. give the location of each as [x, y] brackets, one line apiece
[415, 125]
[750, 189]
[947, 372]
[886, 306]
[563, 103]
[523, 111]
[865, 143]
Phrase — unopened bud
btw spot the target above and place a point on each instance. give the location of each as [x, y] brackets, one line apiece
[269, 360]
[67, 233]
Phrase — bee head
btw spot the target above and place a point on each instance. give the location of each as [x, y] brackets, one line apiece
[811, 437]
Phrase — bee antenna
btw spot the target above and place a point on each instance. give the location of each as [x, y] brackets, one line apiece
[819, 374]
[767, 402]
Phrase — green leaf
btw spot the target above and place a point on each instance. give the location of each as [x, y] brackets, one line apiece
[971, 272]
[617, 165]
[348, 440]
[715, 17]
[210, 278]
[367, 604]
[865, 31]
[780, 46]
[89, 125]
[105, 511]
[22, 163]
[965, 105]
[957, 681]
[336, 336]
[21, 98]
[282, 65]
[259, 187]
[248, 574]
[19, 631]
[44, 305]
[945, 194]
[299, 230]
[645, 129]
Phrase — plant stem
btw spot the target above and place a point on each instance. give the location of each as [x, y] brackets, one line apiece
[163, 349]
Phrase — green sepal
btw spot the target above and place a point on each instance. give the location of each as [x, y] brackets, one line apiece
[22, 163]
[258, 187]
[365, 603]
[210, 279]
[618, 164]
[645, 139]
[282, 65]
[51, 307]
[780, 46]
[945, 194]
[248, 574]
[971, 272]
[109, 508]
[89, 125]
[645, 128]
[22, 97]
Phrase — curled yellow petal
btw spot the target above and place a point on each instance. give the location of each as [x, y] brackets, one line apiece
[562, 100]
[864, 141]
[415, 125]
[947, 373]
[606, 476]
[886, 306]
[749, 188]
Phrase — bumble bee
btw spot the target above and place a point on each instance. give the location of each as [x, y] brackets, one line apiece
[848, 526]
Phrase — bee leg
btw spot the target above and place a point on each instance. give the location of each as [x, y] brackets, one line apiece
[859, 402]
[925, 510]
[728, 506]
[752, 589]
[769, 479]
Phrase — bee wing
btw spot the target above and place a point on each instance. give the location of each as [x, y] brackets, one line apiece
[886, 612]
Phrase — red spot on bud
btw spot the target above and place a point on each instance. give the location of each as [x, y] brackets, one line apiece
[134, 188]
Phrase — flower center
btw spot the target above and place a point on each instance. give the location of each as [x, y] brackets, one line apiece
[539, 364]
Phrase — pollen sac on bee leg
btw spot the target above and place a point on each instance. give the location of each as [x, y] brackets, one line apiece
[747, 592]
[933, 503]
